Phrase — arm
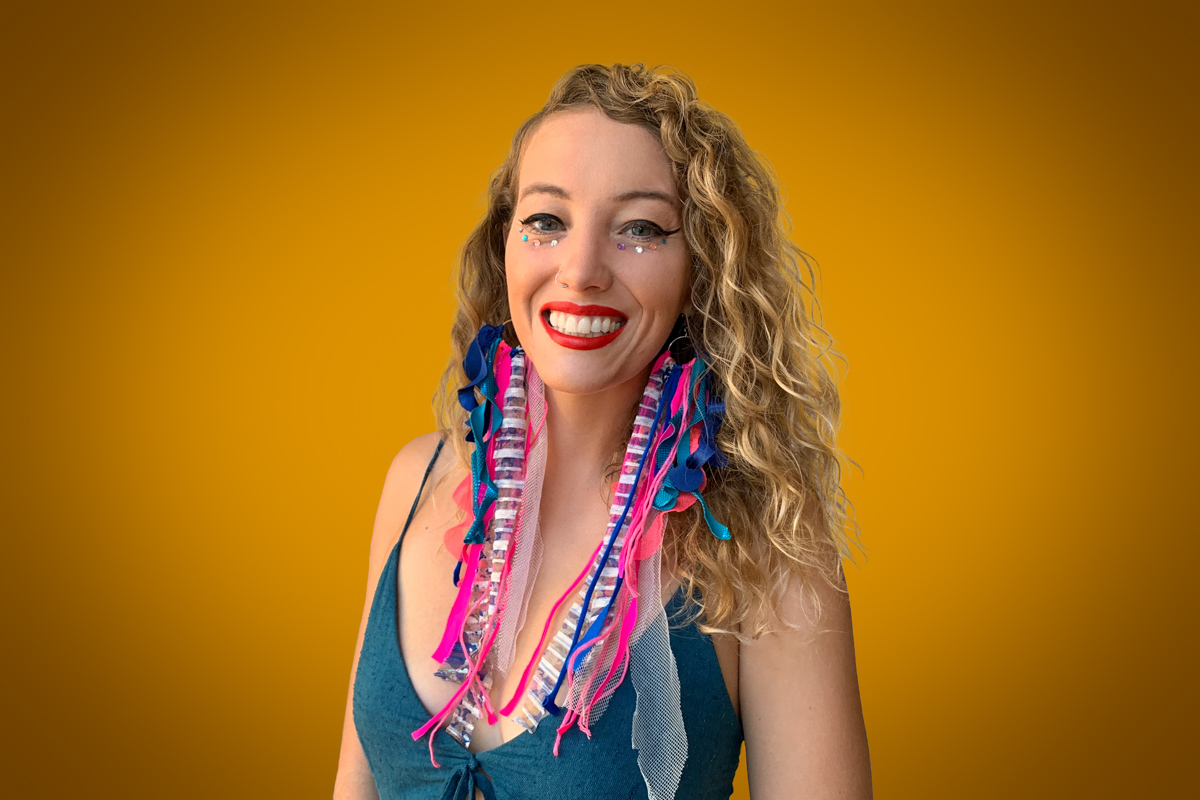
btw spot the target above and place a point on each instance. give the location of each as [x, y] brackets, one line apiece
[801, 712]
[354, 780]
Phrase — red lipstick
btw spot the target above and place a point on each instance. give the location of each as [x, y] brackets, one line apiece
[580, 342]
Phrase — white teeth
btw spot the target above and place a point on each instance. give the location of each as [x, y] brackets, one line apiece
[586, 327]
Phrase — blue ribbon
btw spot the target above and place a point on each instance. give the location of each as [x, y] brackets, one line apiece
[598, 624]
[688, 472]
[572, 656]
[483, 418]
[478, 364]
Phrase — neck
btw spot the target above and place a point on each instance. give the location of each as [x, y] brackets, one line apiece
[585, 431]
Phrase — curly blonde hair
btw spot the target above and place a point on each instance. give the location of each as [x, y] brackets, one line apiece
[780, 494]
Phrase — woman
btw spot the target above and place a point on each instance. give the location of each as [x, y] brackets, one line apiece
[649, 436]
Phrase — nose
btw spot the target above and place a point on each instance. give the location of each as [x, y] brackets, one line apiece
[584, 262]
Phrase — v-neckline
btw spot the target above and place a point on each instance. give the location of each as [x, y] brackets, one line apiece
[394, 636]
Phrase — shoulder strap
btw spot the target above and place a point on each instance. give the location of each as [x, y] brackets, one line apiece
[416, 500]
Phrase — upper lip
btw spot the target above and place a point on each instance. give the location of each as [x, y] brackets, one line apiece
[583, 311]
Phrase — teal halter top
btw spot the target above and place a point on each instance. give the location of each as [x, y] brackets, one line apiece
[387, 711]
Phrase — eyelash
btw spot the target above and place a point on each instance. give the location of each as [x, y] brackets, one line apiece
[656, 230]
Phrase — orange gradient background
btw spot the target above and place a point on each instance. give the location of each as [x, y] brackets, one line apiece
[227, 238]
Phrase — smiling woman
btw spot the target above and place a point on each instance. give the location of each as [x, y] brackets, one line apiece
[638, 539]
[603, 194]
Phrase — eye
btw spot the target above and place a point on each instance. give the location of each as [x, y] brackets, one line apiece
[643, 229]
[543, 223]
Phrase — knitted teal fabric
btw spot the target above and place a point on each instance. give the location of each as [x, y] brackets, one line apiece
[387, 711]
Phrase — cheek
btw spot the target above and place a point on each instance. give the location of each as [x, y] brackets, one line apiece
[526, 270]
[665, 290]
[521, 279]
[515, 273]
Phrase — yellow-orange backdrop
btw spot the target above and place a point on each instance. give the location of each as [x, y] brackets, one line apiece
[227, 236]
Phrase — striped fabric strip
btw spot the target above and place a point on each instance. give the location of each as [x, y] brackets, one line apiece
[508, 466]
[532, 709]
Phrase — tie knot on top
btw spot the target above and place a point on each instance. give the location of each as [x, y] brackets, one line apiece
[465, 779]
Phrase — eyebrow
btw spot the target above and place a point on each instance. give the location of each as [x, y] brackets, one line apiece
[563, 194]
[545, 188]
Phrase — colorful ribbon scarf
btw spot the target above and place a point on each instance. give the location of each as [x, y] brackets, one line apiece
[616, 624]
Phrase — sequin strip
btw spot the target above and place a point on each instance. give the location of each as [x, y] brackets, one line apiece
[532, 709]
[508, 457]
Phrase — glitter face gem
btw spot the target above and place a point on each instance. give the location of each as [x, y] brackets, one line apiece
[620, 245]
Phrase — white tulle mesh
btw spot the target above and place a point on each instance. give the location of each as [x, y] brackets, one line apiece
[595, 665]
[527, 542]
[658, 733]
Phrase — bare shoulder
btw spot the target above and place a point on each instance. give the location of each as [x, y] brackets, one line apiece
[400, 487]
[800, 685]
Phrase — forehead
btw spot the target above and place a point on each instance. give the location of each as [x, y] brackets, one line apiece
[584, 151]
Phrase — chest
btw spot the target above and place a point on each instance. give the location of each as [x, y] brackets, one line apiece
[573, 523]
[571, 532]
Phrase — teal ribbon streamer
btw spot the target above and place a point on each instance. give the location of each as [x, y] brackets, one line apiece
[688, 473]
[483, 422]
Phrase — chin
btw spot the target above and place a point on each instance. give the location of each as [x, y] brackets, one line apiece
[580, 379]
[585, 373]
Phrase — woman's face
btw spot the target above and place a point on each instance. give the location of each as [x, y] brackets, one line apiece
[595, 201]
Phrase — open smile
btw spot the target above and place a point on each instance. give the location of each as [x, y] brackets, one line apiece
[582, 327]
